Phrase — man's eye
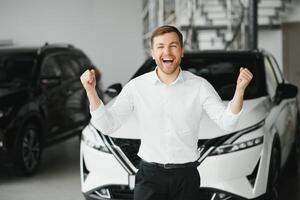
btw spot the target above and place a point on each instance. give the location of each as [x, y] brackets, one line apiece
[173, 46]
[160, 47]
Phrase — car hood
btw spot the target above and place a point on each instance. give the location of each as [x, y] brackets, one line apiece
[254, 111]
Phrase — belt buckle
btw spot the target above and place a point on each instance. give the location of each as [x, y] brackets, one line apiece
[168, 166]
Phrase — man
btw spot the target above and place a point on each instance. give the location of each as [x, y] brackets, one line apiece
[168, 103]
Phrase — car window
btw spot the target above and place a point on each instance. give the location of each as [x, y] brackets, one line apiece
[69, 67]
[276, 69]
[50, 67]
[222, 73]
[83, 61]
[271, 79]
[16, 67]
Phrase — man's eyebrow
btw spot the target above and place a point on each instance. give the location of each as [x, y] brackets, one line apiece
[161, 44]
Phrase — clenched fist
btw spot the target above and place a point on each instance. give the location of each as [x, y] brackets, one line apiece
[244, 78]
[88, 80]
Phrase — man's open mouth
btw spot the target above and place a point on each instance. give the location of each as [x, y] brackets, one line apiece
[167, 61]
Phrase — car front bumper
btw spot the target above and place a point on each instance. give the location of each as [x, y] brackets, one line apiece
[238, 175]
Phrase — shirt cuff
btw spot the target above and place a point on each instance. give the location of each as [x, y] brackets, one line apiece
[99, 112]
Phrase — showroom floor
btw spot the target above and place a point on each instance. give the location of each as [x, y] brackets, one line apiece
[59, 178]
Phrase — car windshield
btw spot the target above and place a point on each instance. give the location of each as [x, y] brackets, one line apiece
[16, 68]
[222, 72]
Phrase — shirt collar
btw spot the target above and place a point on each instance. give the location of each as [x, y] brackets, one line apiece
[156, 80]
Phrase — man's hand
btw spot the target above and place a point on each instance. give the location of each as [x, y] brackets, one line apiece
[242, 82]
[88, 80]
[244, 79]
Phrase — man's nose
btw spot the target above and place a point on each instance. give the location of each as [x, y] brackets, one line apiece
[166, 50]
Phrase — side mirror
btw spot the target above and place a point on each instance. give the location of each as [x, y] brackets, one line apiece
[285, 91]
[49, 82]
[113, 90]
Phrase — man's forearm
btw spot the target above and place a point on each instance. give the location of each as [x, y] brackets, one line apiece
[237, 102]
[94, 100]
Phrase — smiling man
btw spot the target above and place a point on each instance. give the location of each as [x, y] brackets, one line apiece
[168, 103]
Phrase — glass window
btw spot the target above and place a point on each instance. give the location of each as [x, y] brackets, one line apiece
[68, 66]
[83, 61]
[222, 72]
[16, 67]
[50, 67]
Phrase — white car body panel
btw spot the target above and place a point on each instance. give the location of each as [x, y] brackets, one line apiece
[104, 169]
[227, 177]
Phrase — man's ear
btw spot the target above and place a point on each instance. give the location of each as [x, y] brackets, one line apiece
[152, 54]
[182, 52]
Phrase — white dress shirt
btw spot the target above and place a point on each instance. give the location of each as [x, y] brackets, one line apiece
[168, 115]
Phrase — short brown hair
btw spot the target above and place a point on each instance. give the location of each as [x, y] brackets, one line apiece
[166, 29]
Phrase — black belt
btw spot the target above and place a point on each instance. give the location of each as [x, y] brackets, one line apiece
[171, 165]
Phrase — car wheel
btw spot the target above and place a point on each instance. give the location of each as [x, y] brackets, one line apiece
[295, 155]
[274, 172]
[297, 149]
[28, 151]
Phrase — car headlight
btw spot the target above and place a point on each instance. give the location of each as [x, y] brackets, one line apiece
[229, 148]
[91, 138]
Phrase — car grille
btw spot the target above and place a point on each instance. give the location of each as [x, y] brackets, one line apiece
[130, 148]
[125, 193]
[121, 192]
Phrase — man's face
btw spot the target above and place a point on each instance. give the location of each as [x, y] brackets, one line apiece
[167, 52]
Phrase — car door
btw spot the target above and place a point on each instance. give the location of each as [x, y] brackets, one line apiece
[51, 101]
[75, 100]
[291, 104]
[281, 112]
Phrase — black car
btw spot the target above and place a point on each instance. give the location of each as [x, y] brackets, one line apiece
[42, 101]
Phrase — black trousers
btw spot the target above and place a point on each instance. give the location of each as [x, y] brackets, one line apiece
[157, 183]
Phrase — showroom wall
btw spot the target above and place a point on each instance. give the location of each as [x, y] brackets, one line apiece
[109, 31]
[271, 40]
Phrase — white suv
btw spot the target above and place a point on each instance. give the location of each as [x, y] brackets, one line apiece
[244, 164]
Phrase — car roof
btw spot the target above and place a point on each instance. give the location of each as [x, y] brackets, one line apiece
[37, 49]
[225, 53]
[18, 49]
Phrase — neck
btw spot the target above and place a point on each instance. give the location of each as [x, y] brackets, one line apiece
[167, 78]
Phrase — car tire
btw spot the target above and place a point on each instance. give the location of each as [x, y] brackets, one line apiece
[274, 173]
[28, 151]
[295, 154]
